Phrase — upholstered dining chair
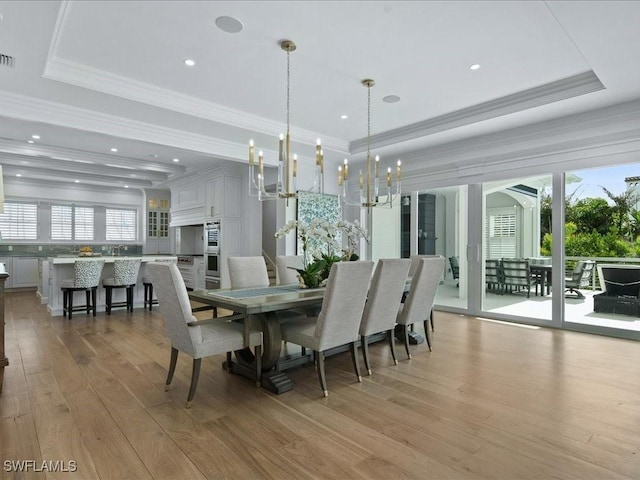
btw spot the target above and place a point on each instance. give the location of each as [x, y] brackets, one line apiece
[86, 277]
[286, 265]
[198, 339]
[383, 303]
[125, 275]
[415, 261]
[248, 272]
[418, 306]
[339, 318]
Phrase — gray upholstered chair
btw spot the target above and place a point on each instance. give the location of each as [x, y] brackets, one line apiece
[415, 262]
[86, 277]
[286, 265]
[383, 303]
[125, 275]
[339, 319]
[188, 335]
[418, 306]
[248, 272]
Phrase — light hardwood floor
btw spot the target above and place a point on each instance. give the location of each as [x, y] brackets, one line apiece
[491, 401]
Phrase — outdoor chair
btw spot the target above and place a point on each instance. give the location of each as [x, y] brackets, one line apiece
[383, 303]
[339, 319]
[198, 339]
[516, 275]
[418, 306]
[493, 275]
[580, 278]
[455, 268]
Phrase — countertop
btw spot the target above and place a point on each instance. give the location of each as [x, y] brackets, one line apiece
[70, 259]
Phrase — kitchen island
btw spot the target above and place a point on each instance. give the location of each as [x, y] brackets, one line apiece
[61, 268]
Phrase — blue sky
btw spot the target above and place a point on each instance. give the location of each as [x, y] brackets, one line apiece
[610, 177]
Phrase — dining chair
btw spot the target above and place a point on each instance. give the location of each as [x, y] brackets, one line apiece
[198, 339]
[516, 274]
[339, 319]
[415, 262]
[418, 306]
[86, 277]
[383, 302]
[125, 275]
[286, 266]
[248, 272]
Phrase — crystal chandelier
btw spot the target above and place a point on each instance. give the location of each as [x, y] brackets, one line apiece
[287, 183]
[369, 186]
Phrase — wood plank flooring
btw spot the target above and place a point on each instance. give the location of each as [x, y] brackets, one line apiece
[492, 401]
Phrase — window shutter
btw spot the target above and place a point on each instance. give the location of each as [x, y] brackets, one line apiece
[121, 225]
[19, 221]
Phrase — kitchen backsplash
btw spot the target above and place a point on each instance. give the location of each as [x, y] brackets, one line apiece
[51, 250]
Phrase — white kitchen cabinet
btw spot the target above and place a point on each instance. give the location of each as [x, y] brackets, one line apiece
[25, 272]
[198, 264]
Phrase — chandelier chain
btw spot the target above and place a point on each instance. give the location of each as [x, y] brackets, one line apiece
[368, 119]
[288, 89]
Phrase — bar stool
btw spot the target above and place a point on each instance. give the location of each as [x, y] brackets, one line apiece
[148, 293]
[86, 277]
[124, 276]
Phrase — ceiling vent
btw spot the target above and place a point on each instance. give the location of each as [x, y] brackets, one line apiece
[7, 60]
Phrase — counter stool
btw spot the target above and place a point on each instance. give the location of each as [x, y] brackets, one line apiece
[148, 293]
[125, 274]
[86, 277]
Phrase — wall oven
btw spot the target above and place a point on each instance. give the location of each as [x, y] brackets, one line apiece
[212, 236]
[212, 264]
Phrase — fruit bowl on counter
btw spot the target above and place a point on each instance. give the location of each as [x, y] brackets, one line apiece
[88, 252]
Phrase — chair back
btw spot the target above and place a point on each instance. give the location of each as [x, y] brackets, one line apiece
[516, 271]
[125, 271]
[422, 294]
[286, 265]
[343, 303]
[492, 272]
[174, 306]
[581, 275]
[385, 295]
[87, 273]
[455, 267]
[415, 261]
[248, 272]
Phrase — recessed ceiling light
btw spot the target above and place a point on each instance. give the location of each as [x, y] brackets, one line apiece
[30, 141]
[344, 117]
[126, 186]
[189, 62]
[35, 137]
[475, 66]
[154, 155]
[391, 99]
[176, 160]
[114, 149]
[229, 24]
[18, 174]
[77, 181]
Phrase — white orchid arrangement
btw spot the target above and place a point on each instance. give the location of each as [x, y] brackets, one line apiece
[322, 245]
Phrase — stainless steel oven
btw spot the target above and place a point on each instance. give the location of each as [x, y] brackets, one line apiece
[212, 264]
[212, 236]
[211, 283]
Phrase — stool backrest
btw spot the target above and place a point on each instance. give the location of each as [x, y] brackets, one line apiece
[87, 273]
[126, 271]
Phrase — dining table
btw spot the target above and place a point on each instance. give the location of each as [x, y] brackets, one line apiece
[264, 308]
[264, 305]
[542, 273]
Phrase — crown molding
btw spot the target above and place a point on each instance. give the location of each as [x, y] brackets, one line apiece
[580, 84]
[81, 75]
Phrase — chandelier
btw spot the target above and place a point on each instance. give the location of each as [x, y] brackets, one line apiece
[369, 186]
[287, 183]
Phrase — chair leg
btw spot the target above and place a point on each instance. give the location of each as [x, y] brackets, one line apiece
[405, 332]
[94, 303]
[392, 344]
[87, 295]
[354, 358]
[70, 303]
[229, 362]
[258, 354]
[172, 367]
[319, 357]
[431, 320]
[108, 293]
[365, 353]
[64, 303]
[426, 334]
[130, 298]
[195, 373]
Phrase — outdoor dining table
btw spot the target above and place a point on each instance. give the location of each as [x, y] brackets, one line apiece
[264, 304]
[543, 273]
